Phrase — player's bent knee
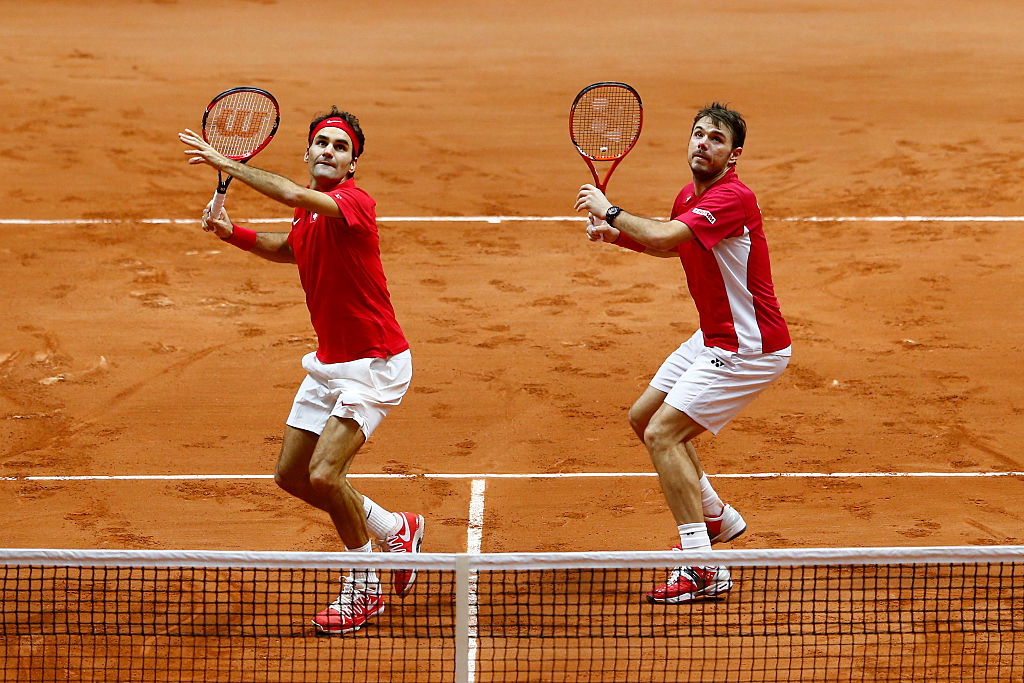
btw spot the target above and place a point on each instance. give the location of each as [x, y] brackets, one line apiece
[325, 481]
[654, 436]
[660, 435]
[290, 481]
[637, 420]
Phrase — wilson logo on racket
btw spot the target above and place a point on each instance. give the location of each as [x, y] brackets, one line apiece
[239, 123]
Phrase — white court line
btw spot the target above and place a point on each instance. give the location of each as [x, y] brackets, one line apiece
[474, 535]
[524, 475]
[474, 541]
[515, 219]
[900, 219]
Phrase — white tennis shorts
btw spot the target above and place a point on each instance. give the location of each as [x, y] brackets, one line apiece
[713, 385]
[363, 390]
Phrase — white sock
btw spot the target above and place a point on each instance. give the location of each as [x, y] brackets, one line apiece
[694, 536]
[713, 505]
[365, 579]
[379, 522]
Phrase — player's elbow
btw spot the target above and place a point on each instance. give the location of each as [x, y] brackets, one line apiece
[292, 196]
[285, 254]
[663, 242]
[672, 234]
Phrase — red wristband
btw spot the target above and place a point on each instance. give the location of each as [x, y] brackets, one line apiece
[627, 242]
[243, 238]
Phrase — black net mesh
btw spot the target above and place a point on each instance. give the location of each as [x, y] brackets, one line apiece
[847, 622]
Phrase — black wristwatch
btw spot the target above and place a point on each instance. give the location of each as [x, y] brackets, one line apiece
[611, 214]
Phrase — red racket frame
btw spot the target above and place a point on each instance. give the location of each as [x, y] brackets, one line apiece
[277, 121]
[602, 184]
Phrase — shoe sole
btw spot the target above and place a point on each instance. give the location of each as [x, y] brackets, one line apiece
[329, 631]
[712, 592]
[727, 535]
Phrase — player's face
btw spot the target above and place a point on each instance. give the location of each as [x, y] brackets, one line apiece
[329, 158]
[710, 152]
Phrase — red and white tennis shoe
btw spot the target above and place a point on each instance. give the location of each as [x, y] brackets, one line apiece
[686, 584]
[407, 539]
[350, 611]
[726, 526]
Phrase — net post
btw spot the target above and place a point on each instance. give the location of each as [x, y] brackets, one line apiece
[462, 618]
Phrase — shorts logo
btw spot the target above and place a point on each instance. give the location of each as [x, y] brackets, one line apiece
[717, 363]
[707, 214]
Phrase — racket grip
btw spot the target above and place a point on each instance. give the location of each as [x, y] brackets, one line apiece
[218, 204]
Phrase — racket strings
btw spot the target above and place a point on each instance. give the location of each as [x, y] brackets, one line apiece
[240, 123]
[606, 122]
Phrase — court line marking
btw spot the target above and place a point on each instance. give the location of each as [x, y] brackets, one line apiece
[474, 542]
[521, 475]
[475, 532]
[514, 219]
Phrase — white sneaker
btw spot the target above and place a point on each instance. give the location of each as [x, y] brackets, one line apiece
[726, 526]
[350, 611]
[691, 583]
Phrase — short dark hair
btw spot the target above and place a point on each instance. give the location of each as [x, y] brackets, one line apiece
[723, 116]
[350, 119]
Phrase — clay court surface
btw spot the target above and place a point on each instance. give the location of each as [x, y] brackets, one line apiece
[132, 347]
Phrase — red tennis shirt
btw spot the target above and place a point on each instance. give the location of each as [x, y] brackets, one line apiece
[727, 268]
[342, 275]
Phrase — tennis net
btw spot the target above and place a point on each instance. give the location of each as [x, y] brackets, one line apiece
[848, 614]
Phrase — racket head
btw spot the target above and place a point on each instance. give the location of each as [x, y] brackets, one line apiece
[240, 122]
[605, 120]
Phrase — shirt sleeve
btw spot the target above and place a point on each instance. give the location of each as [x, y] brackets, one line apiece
[719, 214]
[357, 207]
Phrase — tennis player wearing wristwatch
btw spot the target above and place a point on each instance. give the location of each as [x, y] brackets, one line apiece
[741, 347]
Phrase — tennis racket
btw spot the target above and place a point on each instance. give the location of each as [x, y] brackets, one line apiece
[239, 123]
[604, 124]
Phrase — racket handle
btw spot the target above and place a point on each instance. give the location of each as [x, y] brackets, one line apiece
[218, 204]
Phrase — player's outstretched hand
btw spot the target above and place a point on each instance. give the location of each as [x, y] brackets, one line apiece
[200, 151]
